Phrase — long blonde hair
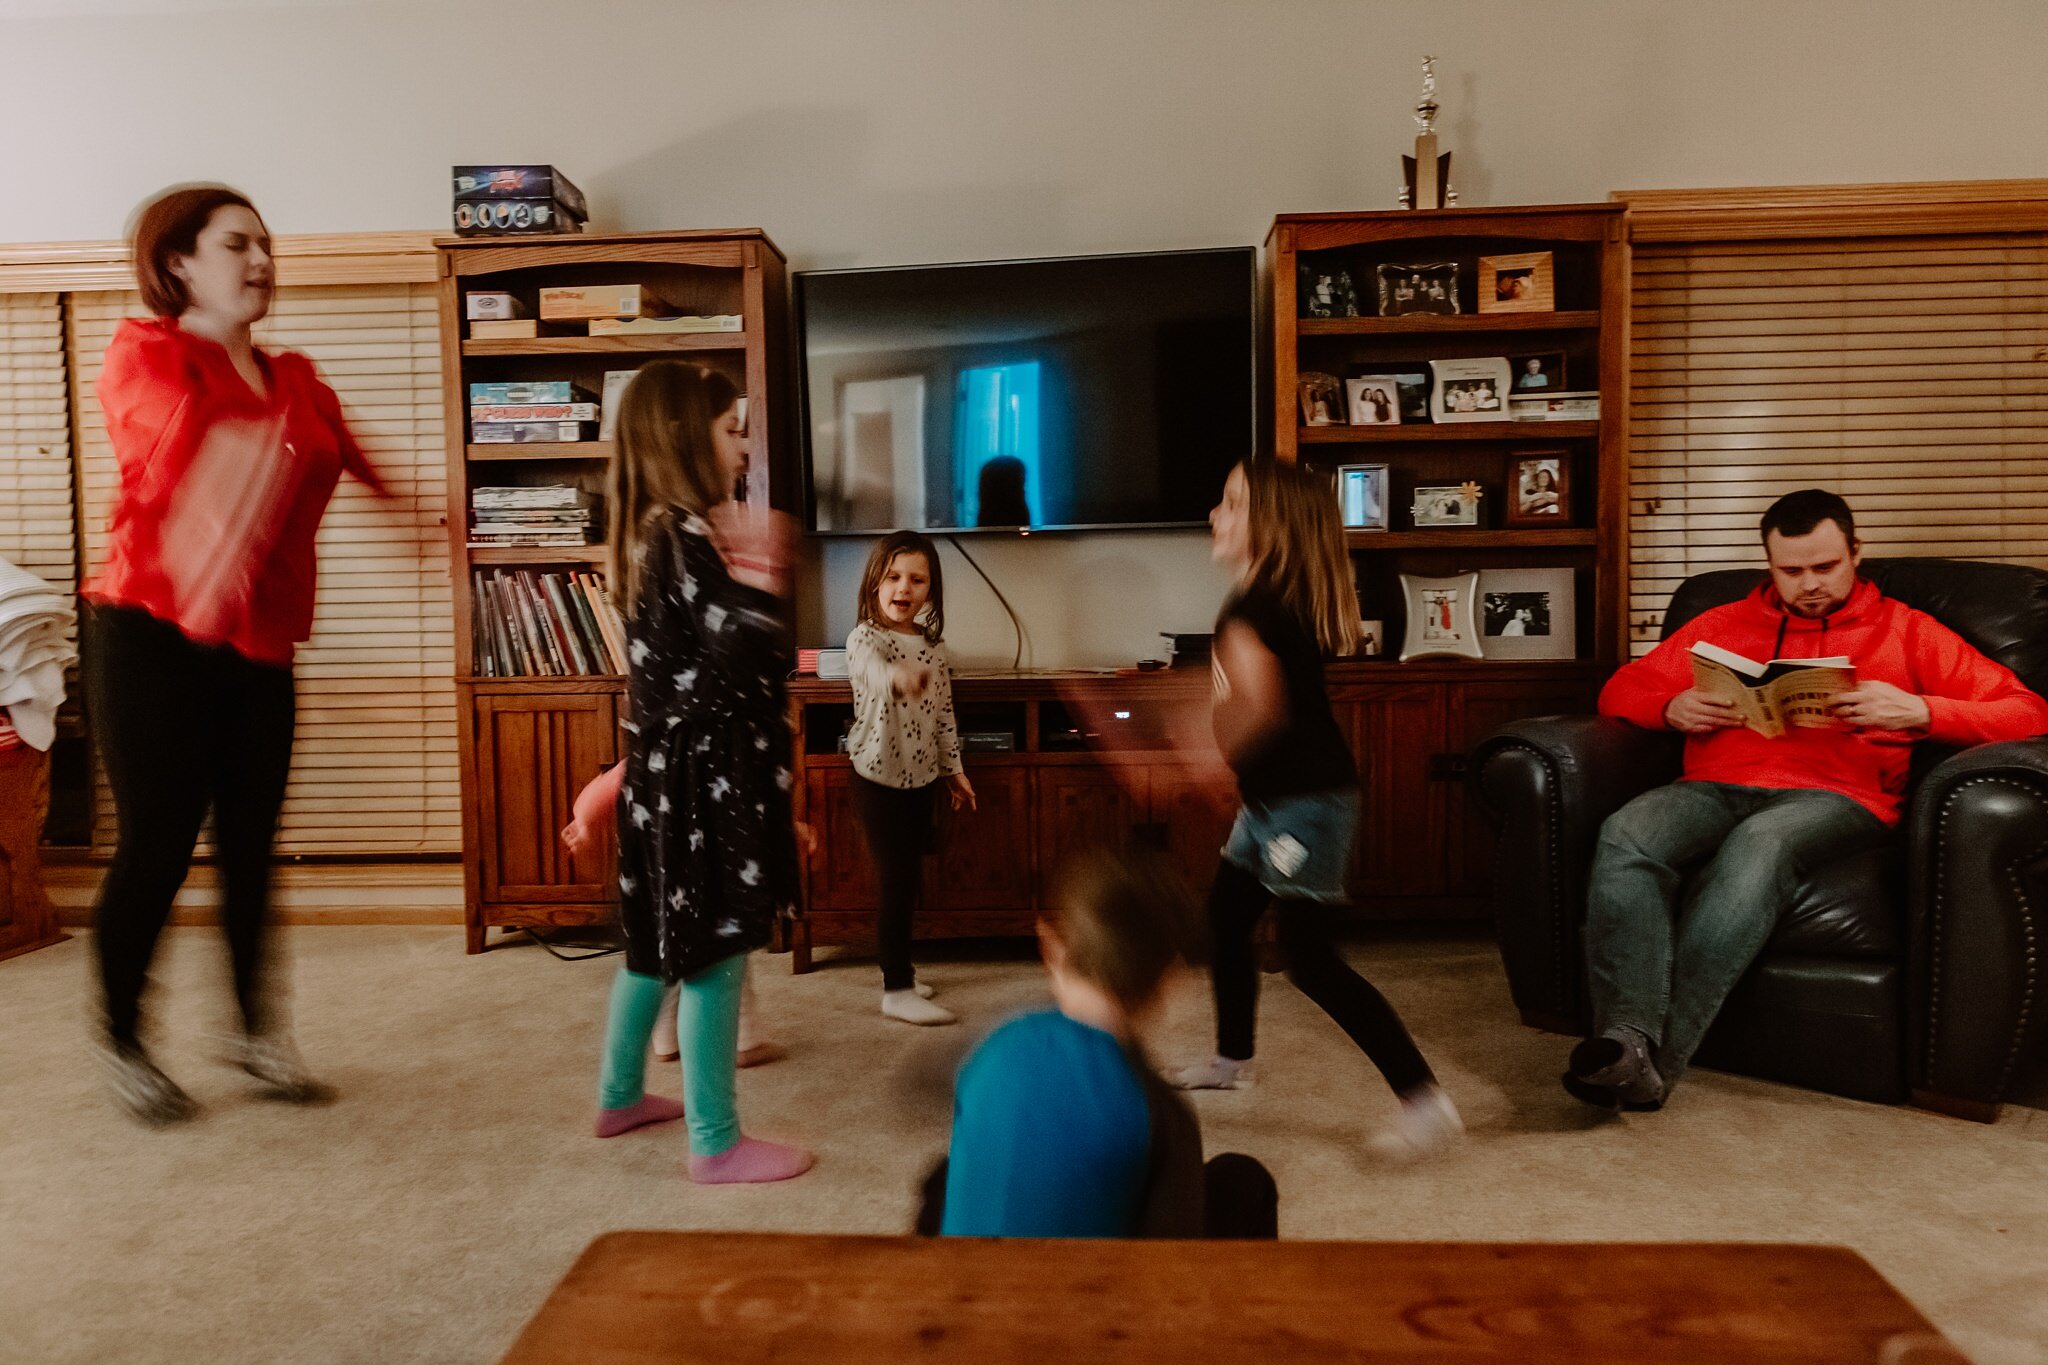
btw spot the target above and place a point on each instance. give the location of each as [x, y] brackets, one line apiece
[663, 459]
[1298, 552]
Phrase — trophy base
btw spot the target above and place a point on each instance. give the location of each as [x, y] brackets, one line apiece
[1444, 197]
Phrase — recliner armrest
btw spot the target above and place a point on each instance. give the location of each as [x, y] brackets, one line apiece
[1551, 781]
[1978, 902]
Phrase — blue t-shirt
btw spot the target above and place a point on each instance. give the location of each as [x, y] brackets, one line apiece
[1051, 1135]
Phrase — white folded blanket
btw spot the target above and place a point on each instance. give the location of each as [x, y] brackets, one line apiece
[35, 620]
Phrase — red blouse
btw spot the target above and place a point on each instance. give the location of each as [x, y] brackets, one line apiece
[161, 388]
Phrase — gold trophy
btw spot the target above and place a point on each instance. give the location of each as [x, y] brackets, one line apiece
[1426, 176]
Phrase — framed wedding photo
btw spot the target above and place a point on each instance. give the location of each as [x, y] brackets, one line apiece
[1373, 400]
[1473, 390]
[1442, 617]
[1362, 496]
[1528, 614]
[1522, 283]
[1322, 399]
[1445, 505]
[1406, 289]
[1539, 490]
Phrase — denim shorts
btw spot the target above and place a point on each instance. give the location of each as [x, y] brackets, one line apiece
[1297, 846]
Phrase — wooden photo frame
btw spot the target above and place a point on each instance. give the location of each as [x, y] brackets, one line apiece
[1322, 399]
[1522, 283]
[1528, 614]
[1533, 375]
[1442, 617]
[1539, 489]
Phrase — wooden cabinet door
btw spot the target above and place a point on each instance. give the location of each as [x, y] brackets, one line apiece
[1087, 807]
[984, 858]
[1394, 731]
[535, 753]
[1475, 711]
[1195, 810]
[841, 875]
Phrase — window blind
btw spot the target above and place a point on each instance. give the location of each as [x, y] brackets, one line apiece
[375, 767]
[37, 520]
[1908, 373]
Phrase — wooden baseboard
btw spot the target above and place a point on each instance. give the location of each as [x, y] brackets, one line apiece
[309, 893]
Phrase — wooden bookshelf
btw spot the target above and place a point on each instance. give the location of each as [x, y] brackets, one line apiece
[1520, 433]
[529, 744]
[1560, 538]
[1577, 320]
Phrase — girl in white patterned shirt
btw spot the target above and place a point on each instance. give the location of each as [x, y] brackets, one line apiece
[904, 744]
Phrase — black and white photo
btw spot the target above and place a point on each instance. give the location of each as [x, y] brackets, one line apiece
[1406, 289]
[1528, 613]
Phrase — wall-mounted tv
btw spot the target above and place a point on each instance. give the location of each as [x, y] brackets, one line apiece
[1058, 394]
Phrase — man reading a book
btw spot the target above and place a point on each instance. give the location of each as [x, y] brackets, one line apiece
[1753, 809]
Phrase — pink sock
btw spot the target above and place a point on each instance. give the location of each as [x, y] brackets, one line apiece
[649, 1109]
[750, 1161]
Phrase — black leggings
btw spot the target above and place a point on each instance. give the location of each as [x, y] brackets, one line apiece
[898, 821]
[182, 727]
[1235, 903]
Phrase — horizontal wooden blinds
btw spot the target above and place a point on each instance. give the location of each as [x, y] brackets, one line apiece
[37, 519]
[1909, 374]
[375, 767]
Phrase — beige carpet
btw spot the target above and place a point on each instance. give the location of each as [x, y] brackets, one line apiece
[427, 1214]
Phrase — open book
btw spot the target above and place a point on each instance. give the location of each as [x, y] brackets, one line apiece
[1771, 696]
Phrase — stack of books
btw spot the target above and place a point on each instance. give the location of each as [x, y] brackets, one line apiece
[527, 624]
[547, 410]
[548, 515]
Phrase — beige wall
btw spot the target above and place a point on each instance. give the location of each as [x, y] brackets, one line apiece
[888, 131]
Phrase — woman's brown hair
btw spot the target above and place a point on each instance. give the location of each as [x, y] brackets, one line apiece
[662, 458]
[1298, 552]
[881, 557]
[169, 225]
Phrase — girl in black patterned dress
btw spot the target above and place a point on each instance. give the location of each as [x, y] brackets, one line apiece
[707, 849]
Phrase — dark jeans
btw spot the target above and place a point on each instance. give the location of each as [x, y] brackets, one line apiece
[1235, 903]
[182, 727]
[898, 822]
[1240, 1202]
[1661, 958]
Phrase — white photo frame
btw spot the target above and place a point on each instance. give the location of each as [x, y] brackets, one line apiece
[1474, 390]
[1528, 614]
[1442, 617]
[1442, 505]
[1373, 400]
[1362, 497]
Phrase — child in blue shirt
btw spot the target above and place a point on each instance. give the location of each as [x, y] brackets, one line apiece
[1061, 1128]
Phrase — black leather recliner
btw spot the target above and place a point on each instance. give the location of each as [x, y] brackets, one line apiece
[1920, 970]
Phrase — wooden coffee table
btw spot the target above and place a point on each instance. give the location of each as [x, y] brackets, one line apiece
[742, 1297]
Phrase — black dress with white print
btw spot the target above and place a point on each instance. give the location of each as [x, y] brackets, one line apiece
[707, 849]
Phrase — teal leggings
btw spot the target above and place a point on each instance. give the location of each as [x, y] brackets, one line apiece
[707, 1027]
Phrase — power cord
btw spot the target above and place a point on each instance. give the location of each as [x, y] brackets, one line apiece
[1018, 659]
[565, 957]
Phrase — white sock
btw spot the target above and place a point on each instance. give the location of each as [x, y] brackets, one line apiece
[912, 1008]
[924, 990]
[1427, 1124]
[1218, 1073]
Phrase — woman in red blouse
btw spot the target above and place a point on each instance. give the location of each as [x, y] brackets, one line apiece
[228, 456]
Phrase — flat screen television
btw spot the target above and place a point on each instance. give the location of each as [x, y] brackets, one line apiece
[1062, 394]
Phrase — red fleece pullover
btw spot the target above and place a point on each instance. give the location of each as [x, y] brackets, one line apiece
[1970, 699]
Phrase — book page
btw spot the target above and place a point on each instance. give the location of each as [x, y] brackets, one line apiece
[1719, 681]
[1802, 695]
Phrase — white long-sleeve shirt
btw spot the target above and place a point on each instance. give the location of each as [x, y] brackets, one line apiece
[901, 742]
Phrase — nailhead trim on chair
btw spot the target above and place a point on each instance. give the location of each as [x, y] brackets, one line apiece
[2019, 1035]
[1555, 804]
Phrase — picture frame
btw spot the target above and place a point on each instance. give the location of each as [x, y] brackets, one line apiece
[1437, 506]
[1373, 400]
[1528, 614]
[1428, 287]
[1443, 619]
[1362, 497]
[1322, 399]
[1521, 283]
[1543, 372]
[1539, 491]
[1412, 379]
[1326, 293]
[1472, 390]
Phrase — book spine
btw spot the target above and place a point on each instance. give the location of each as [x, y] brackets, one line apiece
[536, 620]
[593, 644]
[551, 629]
[587, 601]
[564, 616]
[536, 648]
[533, 412]
[616, 624]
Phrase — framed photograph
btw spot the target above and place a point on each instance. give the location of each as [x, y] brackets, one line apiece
[1327, 293]
[1362, 496]
[1469, 390]
[1522, 283]
[1542, 373]
[1439, 505]
[1429, 288]
[1374, 400]
[1322, 399]
[1413, 383]
[1442, 617]
[1528, 614]
[1539, 490]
